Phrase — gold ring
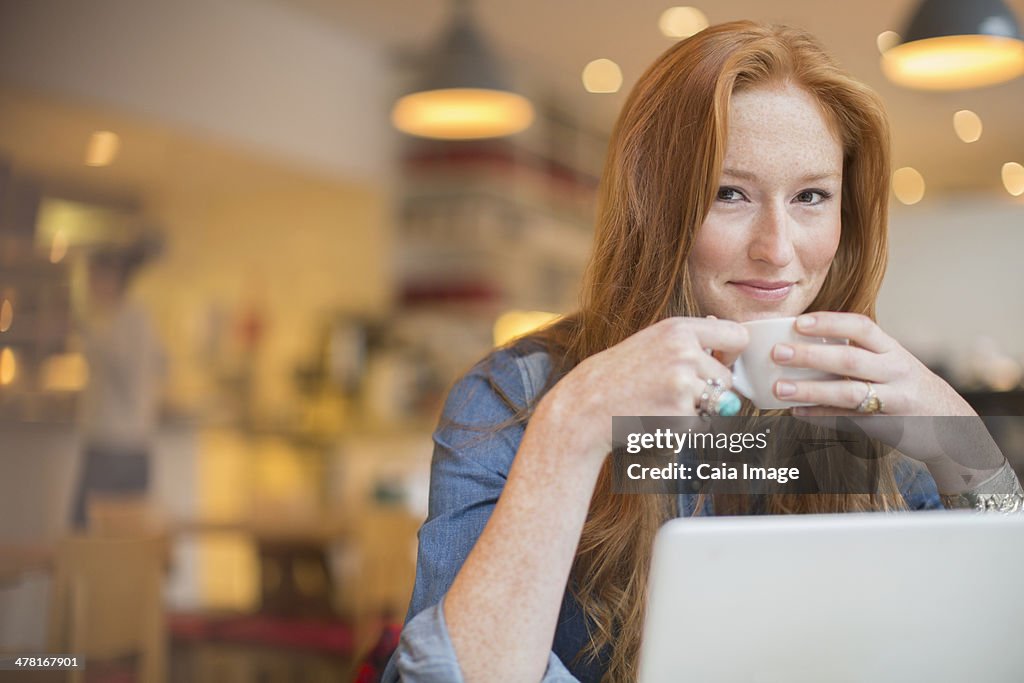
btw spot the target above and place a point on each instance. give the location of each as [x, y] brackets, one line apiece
[871, 403]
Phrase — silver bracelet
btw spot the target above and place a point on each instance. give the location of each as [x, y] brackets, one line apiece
[999, 493]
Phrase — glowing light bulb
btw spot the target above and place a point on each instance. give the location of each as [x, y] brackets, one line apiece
[602, 76]
[682, 22]
[908, 185]
[1013, 178]
[967, 125]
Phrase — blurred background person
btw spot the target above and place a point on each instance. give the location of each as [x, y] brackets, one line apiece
[120, 403]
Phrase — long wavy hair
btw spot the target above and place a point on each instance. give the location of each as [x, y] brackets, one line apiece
[660, 179]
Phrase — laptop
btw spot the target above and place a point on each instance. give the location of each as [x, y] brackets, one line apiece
[913, 596]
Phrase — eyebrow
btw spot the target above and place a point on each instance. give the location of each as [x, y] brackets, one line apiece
[747, 175]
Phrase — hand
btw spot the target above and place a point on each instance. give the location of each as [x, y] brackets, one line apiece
[958, 452]
[660, 370]
[902, 383]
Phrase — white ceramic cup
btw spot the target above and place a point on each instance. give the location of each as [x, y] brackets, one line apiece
[755, 373]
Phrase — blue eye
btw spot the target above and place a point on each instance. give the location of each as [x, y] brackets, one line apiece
[812, 197]
[729, 194]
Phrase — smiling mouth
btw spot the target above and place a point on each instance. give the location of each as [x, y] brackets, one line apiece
[763, 290]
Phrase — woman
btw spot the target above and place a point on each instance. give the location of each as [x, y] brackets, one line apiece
[120, 403]
[747, 178]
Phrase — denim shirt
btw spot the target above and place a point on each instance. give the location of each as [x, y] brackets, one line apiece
[470, 465]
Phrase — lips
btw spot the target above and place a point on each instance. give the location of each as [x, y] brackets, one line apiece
[765, 290]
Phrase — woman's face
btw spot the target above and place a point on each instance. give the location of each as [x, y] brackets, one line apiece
[773, 230]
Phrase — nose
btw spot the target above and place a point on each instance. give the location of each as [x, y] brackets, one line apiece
[771, 241]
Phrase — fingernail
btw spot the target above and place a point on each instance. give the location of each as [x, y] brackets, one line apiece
[783, 389]
[805, 322]
[782, 352]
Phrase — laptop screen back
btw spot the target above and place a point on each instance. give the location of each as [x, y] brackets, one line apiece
[936, 596]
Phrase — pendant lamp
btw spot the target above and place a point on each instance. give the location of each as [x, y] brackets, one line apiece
[463, 94]
[956, 45]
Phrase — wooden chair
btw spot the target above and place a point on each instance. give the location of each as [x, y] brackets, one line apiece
[112, 515]
[387, 539]
[385, 544]
[106, 602]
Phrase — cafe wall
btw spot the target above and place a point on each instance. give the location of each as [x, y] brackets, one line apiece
[250, 276]
[955, 278]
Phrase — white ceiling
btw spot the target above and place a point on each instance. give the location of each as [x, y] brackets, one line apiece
[547, 42]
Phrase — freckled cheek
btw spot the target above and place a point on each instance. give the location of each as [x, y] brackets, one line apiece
[818, 248]
[714, 250]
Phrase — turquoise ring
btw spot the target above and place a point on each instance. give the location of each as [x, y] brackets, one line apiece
[717, 400]
[728, 404]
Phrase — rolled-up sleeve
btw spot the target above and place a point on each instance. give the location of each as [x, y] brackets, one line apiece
[425, 654]
[473, 452]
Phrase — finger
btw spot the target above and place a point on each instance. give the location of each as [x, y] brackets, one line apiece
[859, 329]
[708, 367]
[703, 374]
[844, 393]
[726, 358]
[720, 335]
[700, 388]
[715, 392]
[692, 374]
[849, 361]
[689, 393]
